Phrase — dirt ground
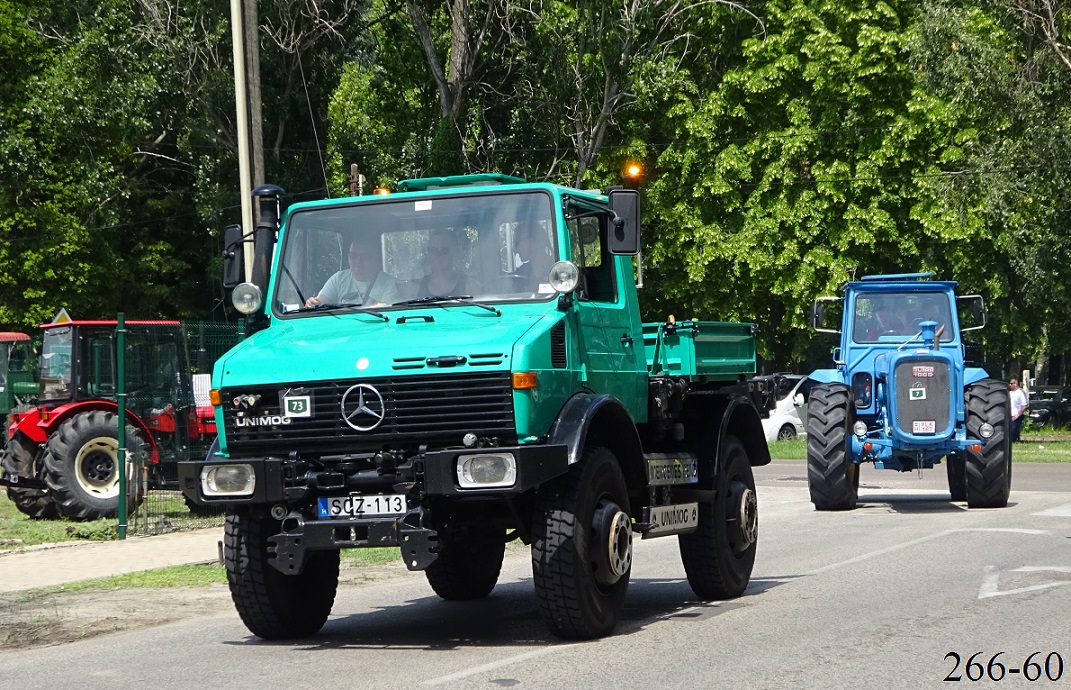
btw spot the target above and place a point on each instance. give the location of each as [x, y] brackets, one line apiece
[41, 619]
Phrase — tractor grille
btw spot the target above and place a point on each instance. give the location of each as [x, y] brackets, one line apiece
[922, 396]
[433, 410]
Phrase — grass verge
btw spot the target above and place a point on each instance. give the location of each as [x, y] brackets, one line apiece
[1033, 448]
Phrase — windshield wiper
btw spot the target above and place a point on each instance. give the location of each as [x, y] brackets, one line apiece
[439, 299]
[355, 306]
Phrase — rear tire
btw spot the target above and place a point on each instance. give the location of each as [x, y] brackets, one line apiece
[82, 466]
[24, 458]
[989, 470]
[272, 605]
[582, 547]
[469, 563]
[832, 478]
[957, 477]
[720, 555]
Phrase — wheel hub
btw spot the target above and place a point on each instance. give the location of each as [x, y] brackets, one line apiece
[97, 467]
[613, 531]
[745, 506]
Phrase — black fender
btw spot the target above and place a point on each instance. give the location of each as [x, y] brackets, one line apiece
[737, 416]
[600, 420]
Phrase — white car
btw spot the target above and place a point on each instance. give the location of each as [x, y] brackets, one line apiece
[788, 418]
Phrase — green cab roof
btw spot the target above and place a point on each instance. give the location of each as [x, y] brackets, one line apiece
[482, 179]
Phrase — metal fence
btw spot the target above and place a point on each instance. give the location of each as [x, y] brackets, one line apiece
[170, 419]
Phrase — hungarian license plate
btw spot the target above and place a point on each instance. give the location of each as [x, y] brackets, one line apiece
[362, 505]
[923, 427]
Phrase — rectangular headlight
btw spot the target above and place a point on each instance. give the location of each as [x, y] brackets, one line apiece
[486, 470]
[228, 480]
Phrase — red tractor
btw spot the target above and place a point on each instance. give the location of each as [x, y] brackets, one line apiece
[62, 457]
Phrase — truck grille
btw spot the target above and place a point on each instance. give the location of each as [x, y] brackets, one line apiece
[433, 410]
[922, 396]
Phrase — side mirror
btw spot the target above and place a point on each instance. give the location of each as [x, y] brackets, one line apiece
[233, 259]
[976, 311]
[624, 233]
[818, 315]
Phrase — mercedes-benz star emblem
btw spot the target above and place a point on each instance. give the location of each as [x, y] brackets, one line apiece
[362, 407]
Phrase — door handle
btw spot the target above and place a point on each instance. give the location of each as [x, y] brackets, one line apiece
[626, 339]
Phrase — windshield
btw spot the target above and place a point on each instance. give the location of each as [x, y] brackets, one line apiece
[486, 247]
[56, 364]
[895, 317]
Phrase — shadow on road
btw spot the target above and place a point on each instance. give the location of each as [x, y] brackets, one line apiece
[508, 617]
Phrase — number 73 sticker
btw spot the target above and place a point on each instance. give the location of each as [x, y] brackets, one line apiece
[295, 403]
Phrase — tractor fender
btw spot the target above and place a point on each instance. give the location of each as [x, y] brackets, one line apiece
[973, 375]
[600, 419]
[827, 376]
[38, 428]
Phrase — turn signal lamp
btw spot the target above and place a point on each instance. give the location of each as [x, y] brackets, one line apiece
[381, 190]
[868, 446]
[525, 380]
[976, 447]
[215, 398]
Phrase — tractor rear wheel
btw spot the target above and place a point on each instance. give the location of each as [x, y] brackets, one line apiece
[272, 605]
[582, 547]
[23, 458]
[833, 479]
[989, 469]
[82, 466]
[468, 564]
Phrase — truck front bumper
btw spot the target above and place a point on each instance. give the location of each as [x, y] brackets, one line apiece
[433, 474]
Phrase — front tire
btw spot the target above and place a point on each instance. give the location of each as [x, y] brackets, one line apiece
[582, 547]
[24, 458]
[469, 563]
[272, 605]
[719, 556]
[82, 466]
[989, 469]
[832, 478]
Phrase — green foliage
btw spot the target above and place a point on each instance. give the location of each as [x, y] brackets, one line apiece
[786, 150]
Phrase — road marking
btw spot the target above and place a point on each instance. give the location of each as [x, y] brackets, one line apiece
[498, 664]
[915, 542]
[991, 582]
[1058, 511]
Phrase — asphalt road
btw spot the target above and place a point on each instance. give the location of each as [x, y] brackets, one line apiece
[887, 596]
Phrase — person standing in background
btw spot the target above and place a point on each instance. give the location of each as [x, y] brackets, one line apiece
[1019, 403]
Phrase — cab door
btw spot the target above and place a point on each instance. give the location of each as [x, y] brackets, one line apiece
[611, 340]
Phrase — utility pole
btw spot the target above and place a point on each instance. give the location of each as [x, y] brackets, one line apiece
[245, 37]
[245, 183]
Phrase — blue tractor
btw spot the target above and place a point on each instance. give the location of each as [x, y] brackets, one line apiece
[901, 397]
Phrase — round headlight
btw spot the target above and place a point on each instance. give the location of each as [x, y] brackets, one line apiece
[859, 428]
[986, 430]
[246, 298]
[564, 276]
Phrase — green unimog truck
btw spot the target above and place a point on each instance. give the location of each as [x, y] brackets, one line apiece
[461, 364]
